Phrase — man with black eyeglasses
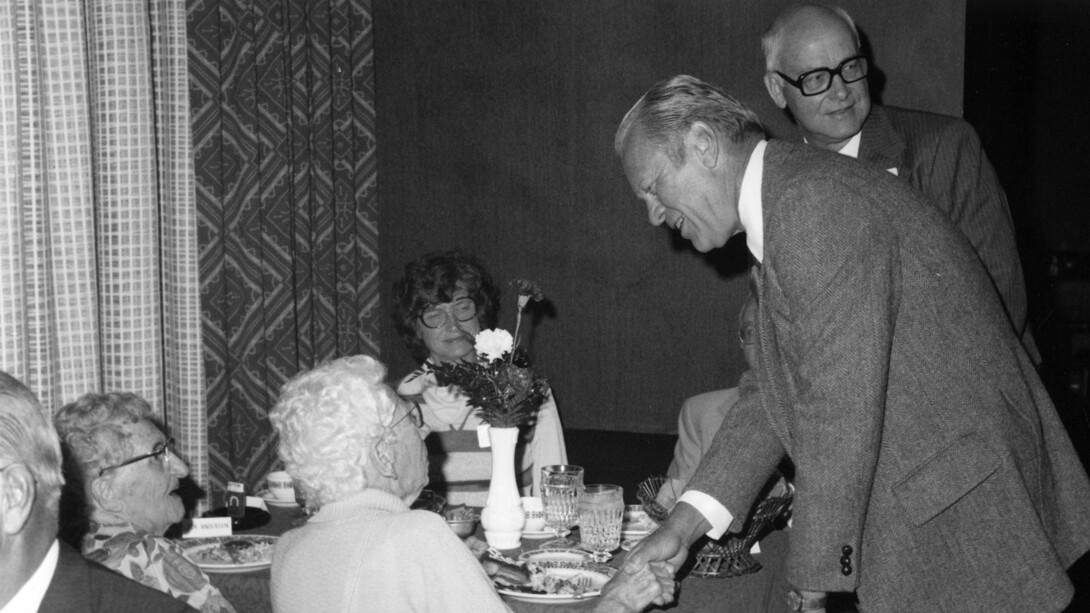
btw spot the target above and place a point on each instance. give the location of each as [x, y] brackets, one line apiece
[815, 69]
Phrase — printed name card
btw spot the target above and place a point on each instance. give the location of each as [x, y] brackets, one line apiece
[256, 501]
[209, 526]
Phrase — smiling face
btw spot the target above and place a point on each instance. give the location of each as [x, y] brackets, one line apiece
[144, 492]
[816, 38]
[453, 340]
[692, 198]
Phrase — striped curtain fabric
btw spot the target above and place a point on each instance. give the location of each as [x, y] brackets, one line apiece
[283, 131]
[98, 249]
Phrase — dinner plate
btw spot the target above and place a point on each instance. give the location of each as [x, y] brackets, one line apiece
[597, 573]
[254, 518]
[273, 501]
[209, 553]
[636, 523]
[556, 557]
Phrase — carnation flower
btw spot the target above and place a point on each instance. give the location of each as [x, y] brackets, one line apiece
[501, 383]
[494, 344]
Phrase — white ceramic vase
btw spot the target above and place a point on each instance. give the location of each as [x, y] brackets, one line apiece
[502, 516]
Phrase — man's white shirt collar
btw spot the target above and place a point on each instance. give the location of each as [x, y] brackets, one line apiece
[750, 213]
[29, 597]
[851, 149]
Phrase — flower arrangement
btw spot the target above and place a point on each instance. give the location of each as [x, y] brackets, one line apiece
[501, 383]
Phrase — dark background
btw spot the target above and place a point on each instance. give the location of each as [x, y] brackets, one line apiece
[495, 124]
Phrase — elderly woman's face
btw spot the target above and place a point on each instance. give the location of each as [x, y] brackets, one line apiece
[144, 492]
[451, 340]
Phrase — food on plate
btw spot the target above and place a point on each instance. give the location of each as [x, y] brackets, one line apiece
[505, 572]
[234, 552]
[460, 513]
[566, 579]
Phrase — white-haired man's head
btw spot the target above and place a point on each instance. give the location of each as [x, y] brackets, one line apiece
[815, 68]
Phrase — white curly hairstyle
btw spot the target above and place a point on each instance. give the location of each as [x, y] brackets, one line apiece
[329, 419]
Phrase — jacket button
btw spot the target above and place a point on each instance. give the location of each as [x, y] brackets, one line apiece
[846, 550]
[845, 561]
[846, 569]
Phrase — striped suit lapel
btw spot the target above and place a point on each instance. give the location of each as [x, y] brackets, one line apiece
[881, 145]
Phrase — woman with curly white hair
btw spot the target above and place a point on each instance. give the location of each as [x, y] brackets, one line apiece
[358, 451]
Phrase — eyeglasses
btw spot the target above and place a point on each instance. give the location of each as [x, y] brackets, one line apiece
[819, 80]
[748, 333]
[463, 309]
[415, 413]
[160, 449]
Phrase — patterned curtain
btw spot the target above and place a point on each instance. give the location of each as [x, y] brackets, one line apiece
[98, 233]
[283, 132]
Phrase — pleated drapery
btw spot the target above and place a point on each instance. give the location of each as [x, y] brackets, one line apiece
[98, 242]
[283, 129]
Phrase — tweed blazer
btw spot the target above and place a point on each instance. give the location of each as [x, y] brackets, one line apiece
[932, 471]
[942, 157]
[81, 586]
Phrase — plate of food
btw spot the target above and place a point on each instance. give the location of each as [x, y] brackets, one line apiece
[238, 553]
[273, 501]
[556, 580]
[636, 523]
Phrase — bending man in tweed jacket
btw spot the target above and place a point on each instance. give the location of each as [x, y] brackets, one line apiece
[932, 472]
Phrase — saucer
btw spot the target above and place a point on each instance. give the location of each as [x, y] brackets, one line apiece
[538, 534]
[273, 501]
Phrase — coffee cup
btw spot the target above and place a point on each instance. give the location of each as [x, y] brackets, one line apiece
[535, 514]
[280, 485]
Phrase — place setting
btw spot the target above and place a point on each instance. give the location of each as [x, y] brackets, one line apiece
[562, 569]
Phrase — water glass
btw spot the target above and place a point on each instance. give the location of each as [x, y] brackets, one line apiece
[561, 486]
[601, 511]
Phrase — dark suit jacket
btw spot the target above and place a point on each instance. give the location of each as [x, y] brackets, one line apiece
[932, 471]
[942, 157]
[84, 586]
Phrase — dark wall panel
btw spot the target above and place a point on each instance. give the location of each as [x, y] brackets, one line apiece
[495, 130]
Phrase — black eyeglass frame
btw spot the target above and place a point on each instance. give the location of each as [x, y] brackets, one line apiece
[450, 312]
[415, 412]
[832, 72]
[168, 447]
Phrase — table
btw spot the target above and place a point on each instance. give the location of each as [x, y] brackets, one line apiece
[249, 592]
[758, 592]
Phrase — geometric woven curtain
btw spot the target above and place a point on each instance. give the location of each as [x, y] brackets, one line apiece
[283, 118]
[98, 236]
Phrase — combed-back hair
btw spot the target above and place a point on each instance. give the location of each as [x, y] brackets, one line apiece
[27, 437]
[665, 113]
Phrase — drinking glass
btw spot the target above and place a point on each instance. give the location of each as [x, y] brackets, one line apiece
[561, 486]
[601, 511]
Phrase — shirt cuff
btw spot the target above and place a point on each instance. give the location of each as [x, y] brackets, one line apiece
[716, 514]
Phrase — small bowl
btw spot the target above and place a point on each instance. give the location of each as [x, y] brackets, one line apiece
[463, 528]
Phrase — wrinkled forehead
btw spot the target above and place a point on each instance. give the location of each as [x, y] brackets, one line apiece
[642, 160]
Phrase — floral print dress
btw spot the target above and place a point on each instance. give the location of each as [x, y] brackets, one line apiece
[154, 561]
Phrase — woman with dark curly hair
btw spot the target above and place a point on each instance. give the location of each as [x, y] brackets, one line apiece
[441, 302]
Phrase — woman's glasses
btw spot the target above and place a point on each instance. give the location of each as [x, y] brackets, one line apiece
[436, 315]
[415, 413]
[164, 449]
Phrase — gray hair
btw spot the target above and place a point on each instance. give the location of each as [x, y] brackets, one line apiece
[27, 437]
[328, 420]
[772, 39]
[93, 428]
[671, 106]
